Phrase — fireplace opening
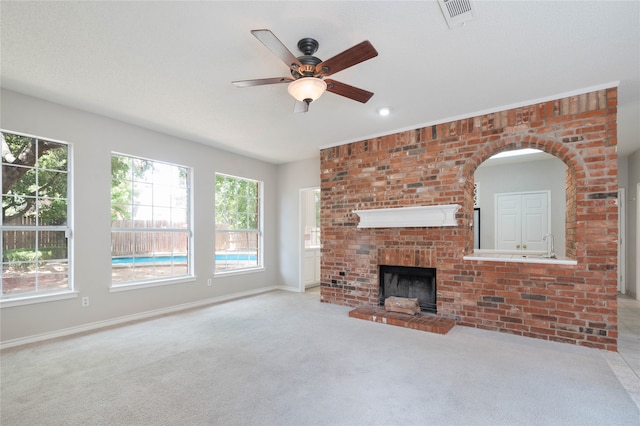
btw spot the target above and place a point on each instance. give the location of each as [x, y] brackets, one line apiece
[411, 282]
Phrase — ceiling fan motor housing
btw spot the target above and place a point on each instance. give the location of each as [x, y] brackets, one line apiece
[308, 46]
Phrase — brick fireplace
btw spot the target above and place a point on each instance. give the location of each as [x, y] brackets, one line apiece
[409, 282]
[435, 165]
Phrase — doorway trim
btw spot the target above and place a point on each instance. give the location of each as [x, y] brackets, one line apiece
[622, 238]
[301, 223]
[637, 240]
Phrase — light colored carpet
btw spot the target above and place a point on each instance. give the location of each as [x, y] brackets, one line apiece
[284, 358]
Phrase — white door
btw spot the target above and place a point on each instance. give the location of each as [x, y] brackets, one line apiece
[310, 262]
[522, 221]
[535, 220]
[311, 267]
[508, 221]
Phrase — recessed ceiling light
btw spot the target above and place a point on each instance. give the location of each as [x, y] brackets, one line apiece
[383, 112]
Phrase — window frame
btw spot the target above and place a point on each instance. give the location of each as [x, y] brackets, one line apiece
[158, 281]
[259, 231]
[48, 295]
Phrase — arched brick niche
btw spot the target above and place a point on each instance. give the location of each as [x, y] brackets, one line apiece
[435, 165]
[567, 154]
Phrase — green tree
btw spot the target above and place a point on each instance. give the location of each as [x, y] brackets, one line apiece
[23, 185]
[124, 171]
[121, 190]
[236, 203]
[34, 173]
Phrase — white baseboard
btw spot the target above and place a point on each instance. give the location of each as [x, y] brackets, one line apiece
[286, 288]
[134, 317]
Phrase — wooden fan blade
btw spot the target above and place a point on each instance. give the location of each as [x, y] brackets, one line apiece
[347, 91]
[350, 57]
[261, 81]
[277, 48]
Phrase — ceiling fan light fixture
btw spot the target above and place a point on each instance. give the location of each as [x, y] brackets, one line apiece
[307, 89]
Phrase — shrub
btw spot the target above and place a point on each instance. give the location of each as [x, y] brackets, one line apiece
[28, 255]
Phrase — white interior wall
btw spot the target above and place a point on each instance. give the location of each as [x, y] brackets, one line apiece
[93, 138]
[293, 177]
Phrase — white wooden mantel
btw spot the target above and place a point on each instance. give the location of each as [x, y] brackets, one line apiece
[401, 217]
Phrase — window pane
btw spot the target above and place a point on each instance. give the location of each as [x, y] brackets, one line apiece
[236, 250]
[53, 275]
[120, 214]
[179, 199]
[121, 245]
[159, 246]
[17, 145]
[142, 193]
[179, 218]
[143, 216]
[121, 272]
[238, 241]
[181, 179]
[150, 257]
[162, 195]
[23, 180]
[52, 155]
[142, 170]
[161, 217]
[15, 208]
[52, 245]
[18, 278]
[142, 244]
[34, 262]
[18, 246]
[52, 212]
[52, 184]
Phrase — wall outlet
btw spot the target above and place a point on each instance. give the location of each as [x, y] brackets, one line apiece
[85, 301]
[209, 282]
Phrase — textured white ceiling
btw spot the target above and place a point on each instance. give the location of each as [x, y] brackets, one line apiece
[168, 66]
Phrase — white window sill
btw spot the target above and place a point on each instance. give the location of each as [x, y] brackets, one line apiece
[237, 272]
[41, 298]
[135, 285]
[507, 256]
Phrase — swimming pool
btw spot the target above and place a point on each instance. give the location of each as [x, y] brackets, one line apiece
[128, 260]
[181, 259]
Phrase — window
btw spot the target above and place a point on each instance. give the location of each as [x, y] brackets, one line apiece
[150, 221]
[311, 218]
[238, 224]
[35, 236]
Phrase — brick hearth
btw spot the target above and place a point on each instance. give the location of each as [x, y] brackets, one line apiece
[422, 321]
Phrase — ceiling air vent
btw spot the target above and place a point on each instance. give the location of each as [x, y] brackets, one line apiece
[456, 12]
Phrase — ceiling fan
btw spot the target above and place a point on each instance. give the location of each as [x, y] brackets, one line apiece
[307, 82]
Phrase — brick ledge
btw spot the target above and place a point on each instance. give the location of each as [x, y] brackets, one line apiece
[422, 321]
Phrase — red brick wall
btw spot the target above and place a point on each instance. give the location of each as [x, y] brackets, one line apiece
[435, 165]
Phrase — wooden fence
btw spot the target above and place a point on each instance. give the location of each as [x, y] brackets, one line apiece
[126, 243]
[27, 239]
